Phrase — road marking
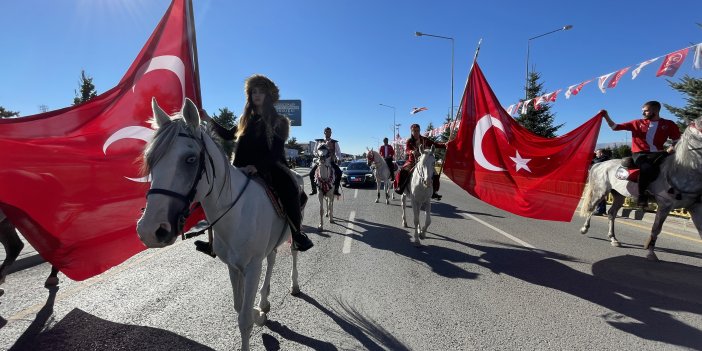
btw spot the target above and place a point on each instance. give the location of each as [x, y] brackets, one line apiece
[663, 232]
[347, 241]
[509, 236]
[355, 194]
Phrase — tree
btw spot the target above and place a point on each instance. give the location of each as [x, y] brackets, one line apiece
[621, 151]
[226, 119]
[87, 89]
[7, 113]
[293, 145]
[692, 87]
[538, 122]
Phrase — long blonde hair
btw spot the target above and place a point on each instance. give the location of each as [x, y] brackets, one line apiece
[269, 113]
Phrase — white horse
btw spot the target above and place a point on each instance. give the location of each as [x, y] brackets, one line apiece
[419, 191]
[679, 185]
[187, 166]
[382, 174]
[325, 182]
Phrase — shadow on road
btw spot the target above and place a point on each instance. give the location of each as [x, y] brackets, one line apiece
[79, 330]
[364, 329]
[636, 291]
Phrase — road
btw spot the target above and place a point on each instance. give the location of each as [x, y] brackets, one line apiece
[484, 279]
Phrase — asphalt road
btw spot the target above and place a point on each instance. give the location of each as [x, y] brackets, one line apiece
[484, 279]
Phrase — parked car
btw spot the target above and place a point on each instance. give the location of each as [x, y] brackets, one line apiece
[343, 165]
[357, 173]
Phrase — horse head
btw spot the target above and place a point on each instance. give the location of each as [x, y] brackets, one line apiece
[370, 156]
[425, 166]
[176, 159]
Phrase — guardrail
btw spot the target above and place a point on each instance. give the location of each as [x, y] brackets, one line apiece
[652, 207]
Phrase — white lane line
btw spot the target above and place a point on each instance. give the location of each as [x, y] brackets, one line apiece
[509, 236]
[355, 194]
[347, 241]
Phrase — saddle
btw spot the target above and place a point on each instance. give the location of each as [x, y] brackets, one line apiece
[630, 172]
[275, 200]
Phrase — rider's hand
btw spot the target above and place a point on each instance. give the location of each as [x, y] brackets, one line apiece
[604, 113]
[670, 149]
[249, 169]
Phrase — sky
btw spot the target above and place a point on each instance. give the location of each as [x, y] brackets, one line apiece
[345, 58]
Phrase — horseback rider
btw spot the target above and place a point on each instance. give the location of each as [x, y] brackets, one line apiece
[648, 135]
[335, 154]
[261, 137]
[412, 151]
[388, 154]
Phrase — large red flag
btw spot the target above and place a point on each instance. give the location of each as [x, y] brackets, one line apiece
[70, 178]
[502, 163]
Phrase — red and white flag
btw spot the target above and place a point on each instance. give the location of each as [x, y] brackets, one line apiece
[697, 61]
[500, 162]
[617, 76]
[525, 105]
[417, 110]
[637, 70]
[602, 80]
[575, 89]
[672, 62]
[70, 181]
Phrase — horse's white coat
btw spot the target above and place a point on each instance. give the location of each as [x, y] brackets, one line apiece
[246, 234]
[325, 170]
[419, 192]
[382, 175]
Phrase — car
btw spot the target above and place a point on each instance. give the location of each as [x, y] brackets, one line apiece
[357, 173]
[400, 163]
[343, 165]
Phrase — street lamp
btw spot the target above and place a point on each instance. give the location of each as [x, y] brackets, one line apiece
[419, 34]
[566, 27]
[393, 123]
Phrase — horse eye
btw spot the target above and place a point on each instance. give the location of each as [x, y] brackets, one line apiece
[191, 159]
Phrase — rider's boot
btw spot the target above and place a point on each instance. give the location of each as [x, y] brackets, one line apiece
[336, 190]
[205, 247]
[436, 196]
[300, 240]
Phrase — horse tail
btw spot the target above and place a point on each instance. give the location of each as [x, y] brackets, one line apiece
[587, 197]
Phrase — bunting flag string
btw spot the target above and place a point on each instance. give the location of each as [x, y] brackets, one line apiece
[670, 65]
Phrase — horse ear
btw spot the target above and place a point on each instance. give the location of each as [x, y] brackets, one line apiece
[191, 114]
[160, 115]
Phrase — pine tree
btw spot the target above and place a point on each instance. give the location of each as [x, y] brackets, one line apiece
[87, 89]
[538, 122]
[226, 119]
[692, 87]
[7, 113]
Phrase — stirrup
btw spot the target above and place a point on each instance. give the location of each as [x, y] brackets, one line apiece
[205, 248]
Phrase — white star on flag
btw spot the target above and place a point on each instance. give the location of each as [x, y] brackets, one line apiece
[520, 163]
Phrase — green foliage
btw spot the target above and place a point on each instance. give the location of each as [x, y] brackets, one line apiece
[87, 89]
[226, 119]
[7, 113]
[620, 151]
[538, 122]
[292, 144]
[692, 87]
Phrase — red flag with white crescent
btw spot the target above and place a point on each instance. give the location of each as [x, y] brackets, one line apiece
[71, 178]
[672, 62]
[502, 163]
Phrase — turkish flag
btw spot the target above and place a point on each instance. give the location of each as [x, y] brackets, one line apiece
[672, 62]
[500, 162]
[71, 178]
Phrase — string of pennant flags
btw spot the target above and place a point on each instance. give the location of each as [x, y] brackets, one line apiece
[669, 66]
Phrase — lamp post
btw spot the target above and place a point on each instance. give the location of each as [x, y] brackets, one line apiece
[526, 85]
[393, 123]
[419, 34]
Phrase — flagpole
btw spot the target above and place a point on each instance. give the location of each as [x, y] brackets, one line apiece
[460, 106]
[193, 45]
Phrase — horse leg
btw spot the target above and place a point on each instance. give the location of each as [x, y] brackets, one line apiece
[650, 245]
[696, 216]
[330, 208]
[53, 279]
[264, 305]
[404, 217]
[248, 315]
[294, 284]
[321, 210]
[377, 186]
[417, 230]
[237, 287]
[386, 184]
[427, 220]
[617, 203]
[13, 246]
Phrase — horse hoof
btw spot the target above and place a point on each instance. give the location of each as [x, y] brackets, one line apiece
[51, 281]
[417, 244]
[295, 290]
[422, 235]
[260, 317]
[652, 257]
[616, 243]
[332, 221]
[583, 230]
[2, 291]
[376, 201]
[265, 308]
[320, 228]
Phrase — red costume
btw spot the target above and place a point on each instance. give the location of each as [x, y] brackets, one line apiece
[386, 151]
[648, 135]
[413, 145]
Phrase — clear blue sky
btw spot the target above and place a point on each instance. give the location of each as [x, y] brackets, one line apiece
[344, 58]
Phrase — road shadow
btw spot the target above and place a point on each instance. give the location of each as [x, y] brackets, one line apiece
[364, 329]
[636, 291]
[79, 330]
[442, 260]
[659, 249]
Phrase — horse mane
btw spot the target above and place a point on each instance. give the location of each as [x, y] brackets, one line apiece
[163, 139]
[684, 155]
